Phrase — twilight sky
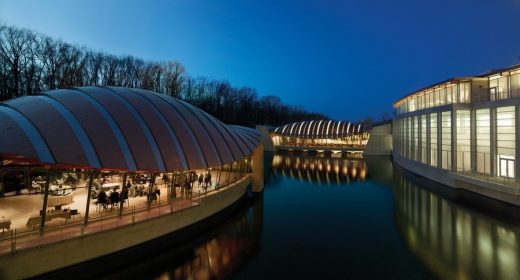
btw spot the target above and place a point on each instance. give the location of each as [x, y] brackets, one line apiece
[348, 59]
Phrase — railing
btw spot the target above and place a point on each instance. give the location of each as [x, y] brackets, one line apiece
[488, 95]
[14, 240]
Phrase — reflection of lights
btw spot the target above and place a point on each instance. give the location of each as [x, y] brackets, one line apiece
[320, 169]
[362, 174]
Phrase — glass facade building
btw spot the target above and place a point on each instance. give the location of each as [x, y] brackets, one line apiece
[463, 125]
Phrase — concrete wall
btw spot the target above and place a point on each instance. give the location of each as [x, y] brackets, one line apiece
[35, 261]
[266, 138]
[380, 141]
[258, 169]
[490, 189]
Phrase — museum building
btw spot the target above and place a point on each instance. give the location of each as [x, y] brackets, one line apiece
[465, 126]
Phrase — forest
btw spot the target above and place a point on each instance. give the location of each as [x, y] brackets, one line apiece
[31, 62]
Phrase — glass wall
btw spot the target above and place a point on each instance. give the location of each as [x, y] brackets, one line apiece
[483, 134]
[423, 139]
[498, 87]
[463, 140]
[446, 140]
[433, 139]
[408, 137]
[464, 92]
[416, 138]
[403, 137]
[441, 95]
[506, 141]
[515, 85]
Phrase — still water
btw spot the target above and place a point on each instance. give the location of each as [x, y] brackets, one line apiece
[331, 217]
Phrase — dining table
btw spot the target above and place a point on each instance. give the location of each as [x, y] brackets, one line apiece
[59, 189]
[57, 200]
[109, 186]
[35, 220]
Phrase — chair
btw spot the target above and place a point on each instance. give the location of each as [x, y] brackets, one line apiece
[74, 212]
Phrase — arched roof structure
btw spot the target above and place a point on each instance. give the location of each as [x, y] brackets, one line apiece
[118, 128]
[319, 129]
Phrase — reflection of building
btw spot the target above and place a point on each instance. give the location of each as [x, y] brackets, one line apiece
[235, 243]
[453, 241]
[322, 170]
[320, 134]
[107, 157]
[464, 132]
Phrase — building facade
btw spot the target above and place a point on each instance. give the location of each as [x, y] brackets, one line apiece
[321, 133]
[83, 165]
[466, 125]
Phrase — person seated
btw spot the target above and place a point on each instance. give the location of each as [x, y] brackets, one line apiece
[102, 198]
[114, 198]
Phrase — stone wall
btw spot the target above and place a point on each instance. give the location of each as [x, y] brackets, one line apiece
[380, 141]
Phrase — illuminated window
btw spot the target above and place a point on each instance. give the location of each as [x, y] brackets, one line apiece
[446, 140]
[483, 134]
[433, 139]
[506, 141]
[463, 140]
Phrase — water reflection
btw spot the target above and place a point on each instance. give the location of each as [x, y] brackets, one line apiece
[320, 170]
[220, 255]
[213, 254]
[455, 242]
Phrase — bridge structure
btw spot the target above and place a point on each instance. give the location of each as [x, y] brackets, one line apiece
[321, 136]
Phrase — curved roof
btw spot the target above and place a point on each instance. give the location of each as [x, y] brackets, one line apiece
[118, 128]
[319, 129]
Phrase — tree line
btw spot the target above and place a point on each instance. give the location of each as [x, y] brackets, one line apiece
[31, 62]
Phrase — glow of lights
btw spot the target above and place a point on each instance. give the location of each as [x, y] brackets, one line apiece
[337, 130]
[300, 129]
[309, 128]
[348, 126]
[328, 126]
[292, 126]
[283, 130]
[318, 130]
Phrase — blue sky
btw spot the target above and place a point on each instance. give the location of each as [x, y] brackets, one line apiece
[346, 59]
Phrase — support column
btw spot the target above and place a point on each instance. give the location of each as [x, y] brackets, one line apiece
[419, 139]
[439, 140]
[150, 189]
[258, 169]
[412, 138]
[45, 198]
[89, 191]
[454, 129]
[473, 139]
[428, 140]
[493, 139]
[121, 196]
[218, 177]
[517, 143]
